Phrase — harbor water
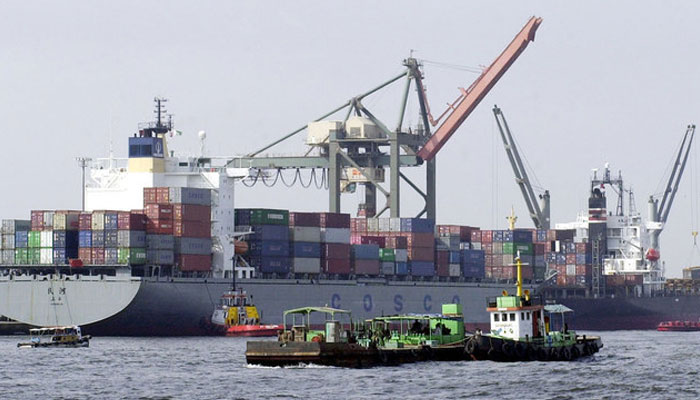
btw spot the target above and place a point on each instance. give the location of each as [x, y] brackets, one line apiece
[645, 364]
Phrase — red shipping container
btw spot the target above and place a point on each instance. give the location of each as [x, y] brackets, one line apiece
[551, 235]
[191, 212]
[419, 239]
[150, 196]
[488, 272]
[337, 251]
[160, 227]
[131, 221]
[37, 220]
[162, 195]
[584, 270]
[443, 270]
[486, 236]
[358, 225]
[192, 229]
[571, 280]
[561, 280]
[304, 219]
[539, 249]
[571, 258]
[159, 211]
[475, 236]
[336, 266]
[378, 240]
[421, 253]
[367, 267]
[85, 254]
[487, 248]
[98, 255]
[85, 221]
[583, 248]
[442, 257]
[355, 238]
[634, 279]
[193, 262]
[396, 242]
[334, 220]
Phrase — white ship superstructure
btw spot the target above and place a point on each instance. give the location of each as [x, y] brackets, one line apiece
[118, 183]
[627, 238]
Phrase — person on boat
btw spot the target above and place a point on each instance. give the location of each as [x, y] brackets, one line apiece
[438, 329]
[417, 327]
[446, 330]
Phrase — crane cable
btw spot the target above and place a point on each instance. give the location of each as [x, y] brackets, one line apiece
[318, 183]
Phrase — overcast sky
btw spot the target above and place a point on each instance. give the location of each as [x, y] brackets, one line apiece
[603, 82]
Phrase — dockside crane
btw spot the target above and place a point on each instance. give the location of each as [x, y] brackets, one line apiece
[539, 214]
[658, 213]
[354, 149]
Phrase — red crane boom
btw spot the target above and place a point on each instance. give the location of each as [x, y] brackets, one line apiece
[479, 89]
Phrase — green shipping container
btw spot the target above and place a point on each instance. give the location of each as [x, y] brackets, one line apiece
[513, 248]
[131, 255]
[263, 216]
[34, 239]
[387, 255]
[21, 256]
[34, 256]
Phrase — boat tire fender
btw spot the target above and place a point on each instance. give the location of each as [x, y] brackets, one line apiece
[520, 351]
[472, 346]
[565, 354]
[575, 352]
[507, 349]
[542, 354]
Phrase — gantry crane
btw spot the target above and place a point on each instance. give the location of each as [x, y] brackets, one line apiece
[355, 147]
[539, 214]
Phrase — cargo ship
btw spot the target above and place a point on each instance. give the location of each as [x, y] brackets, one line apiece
[152, 252]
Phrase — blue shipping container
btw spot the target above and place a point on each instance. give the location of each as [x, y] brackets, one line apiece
[422, 268]
[85, 238]
[21, 239]
[541, 235]
[561, 258]
[583, 258]
[365, 251]
[111, 221]
[269, 248]
[417, 225]
[111, 239]
[270, 232]
[473, 271]
[98, 238]
[522, 236]
[61, 255]
[401, 268]
[497, 236]
[63, 239]
[455, 257]
[111, 256]
[306, 250]
[472, 255]
[278, 265]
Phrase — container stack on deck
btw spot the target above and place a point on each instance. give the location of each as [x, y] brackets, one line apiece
[335, 244]
[269, 241]
[191, 212]
[305, 242]
[14, 241]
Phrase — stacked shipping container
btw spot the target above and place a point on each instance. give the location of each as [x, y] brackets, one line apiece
[269, 243]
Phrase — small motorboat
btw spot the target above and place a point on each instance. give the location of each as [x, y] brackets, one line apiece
[56, 336]
[679, 326]
[237, 316]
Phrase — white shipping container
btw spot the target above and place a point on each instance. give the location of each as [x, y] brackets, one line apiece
[387, 268]
[372, 225]
[302, 265]
[455, 270]
[395, 225]
[401, 255]
[10, 226]
[335, 235]
[46, 239]
[475, 245]
[48, 218]
[98, 221]
[384, 224]
[8, 242]
[8, 257]
[305, 234]
[46, 256]
[570, 269]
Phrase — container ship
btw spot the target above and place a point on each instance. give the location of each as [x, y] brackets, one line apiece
[153, 248]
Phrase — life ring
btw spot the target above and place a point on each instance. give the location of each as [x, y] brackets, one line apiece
[472, 346]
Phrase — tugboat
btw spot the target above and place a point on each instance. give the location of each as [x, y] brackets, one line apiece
[57, 336]
[679, 326]
[520, 331]
[379, 341]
